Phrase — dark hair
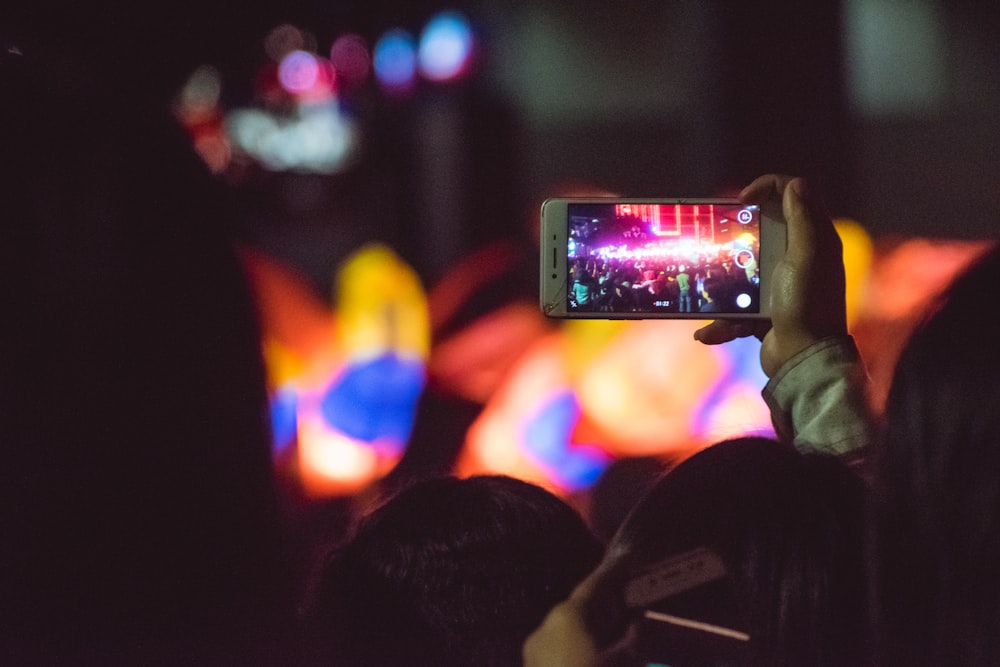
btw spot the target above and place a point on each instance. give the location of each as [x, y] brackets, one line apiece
[937, 520]
[788, 528]
[448, 572]
[622, 484]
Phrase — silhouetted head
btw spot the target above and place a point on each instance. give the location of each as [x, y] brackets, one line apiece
[788, 528]
[449, 572]
[938, 487]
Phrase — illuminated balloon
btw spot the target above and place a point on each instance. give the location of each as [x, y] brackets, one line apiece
[284, 422]
[374, 400]
[344, 383]
[360, 422]
[595, 391]
[547, 440]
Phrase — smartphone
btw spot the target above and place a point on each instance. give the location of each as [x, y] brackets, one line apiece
[657, 258]
[687, 612]
[673, 576]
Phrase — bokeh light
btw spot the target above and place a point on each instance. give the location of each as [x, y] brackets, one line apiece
[197, 107]
[310, 78]
[580, 394]
[381, 306]
[313, 137]
[374, 400]
[284, 423]
[198, 99]
[332, 463]
[396, 61]
[351, 59]
[858, 252]
[299, 71]
[285, 39]
[446, 47]
[344, 383]
[547, 440]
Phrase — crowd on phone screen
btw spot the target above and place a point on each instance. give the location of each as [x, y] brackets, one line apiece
[626, 285]
[142, 522]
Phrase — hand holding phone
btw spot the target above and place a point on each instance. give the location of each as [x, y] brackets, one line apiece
[663, 258]
[807, 301]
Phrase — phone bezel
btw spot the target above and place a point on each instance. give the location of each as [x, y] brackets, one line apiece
[553, 277]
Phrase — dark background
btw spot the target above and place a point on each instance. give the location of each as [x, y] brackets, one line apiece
[890, 107]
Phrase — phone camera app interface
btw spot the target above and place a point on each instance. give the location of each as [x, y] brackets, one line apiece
[663, 258]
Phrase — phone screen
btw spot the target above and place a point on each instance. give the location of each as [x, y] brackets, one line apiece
[662, 258]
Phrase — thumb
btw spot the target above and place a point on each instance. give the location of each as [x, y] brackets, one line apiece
[723, 331]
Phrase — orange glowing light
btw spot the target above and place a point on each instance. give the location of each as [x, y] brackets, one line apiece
[858, 253]
[289, 309]
[641, 389]
[330, 463]
[474, 362]
[908, 276]
[740, 412]
[494, 442]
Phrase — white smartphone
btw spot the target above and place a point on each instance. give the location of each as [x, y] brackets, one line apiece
[657, 258]
[689, 615]
[673, 576]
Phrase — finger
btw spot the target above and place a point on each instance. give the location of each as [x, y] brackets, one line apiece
[770, 187]
[723, 331]
[601, 601]
[715, 333]
[767, 192]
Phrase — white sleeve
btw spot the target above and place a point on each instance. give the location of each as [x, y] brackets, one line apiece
[819, 400]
